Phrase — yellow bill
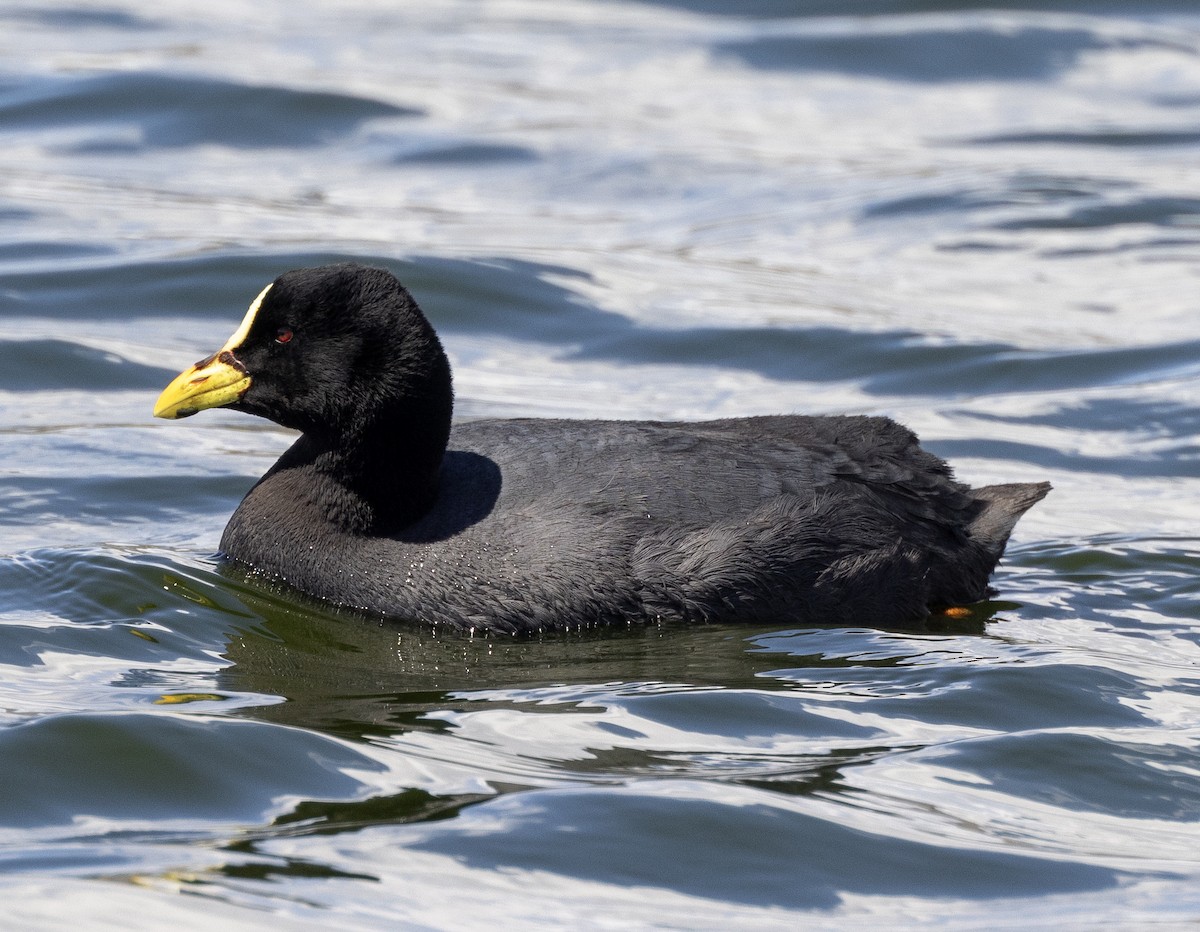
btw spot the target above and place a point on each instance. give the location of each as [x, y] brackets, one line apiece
[218, 380]
[213, 382]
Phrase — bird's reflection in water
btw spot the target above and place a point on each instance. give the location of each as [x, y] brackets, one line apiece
[355, 676]
[408, 688]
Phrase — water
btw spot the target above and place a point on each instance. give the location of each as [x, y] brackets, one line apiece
[981, 221]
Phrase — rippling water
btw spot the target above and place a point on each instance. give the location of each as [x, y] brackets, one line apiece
[981, 221]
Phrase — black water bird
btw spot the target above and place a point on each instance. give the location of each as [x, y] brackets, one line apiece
[530, 524]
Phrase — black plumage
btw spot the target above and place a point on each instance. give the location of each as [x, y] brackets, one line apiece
[533, 524]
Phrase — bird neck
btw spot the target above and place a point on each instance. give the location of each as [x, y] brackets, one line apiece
[380, 476]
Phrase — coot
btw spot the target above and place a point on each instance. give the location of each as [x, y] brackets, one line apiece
[383, 505]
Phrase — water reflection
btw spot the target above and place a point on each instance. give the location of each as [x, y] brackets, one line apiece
[352, 676]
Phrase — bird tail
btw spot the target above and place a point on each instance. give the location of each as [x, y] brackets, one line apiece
[1003, 506]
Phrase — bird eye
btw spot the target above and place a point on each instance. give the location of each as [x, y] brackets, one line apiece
[283, 335]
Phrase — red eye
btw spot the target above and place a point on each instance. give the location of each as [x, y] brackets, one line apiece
[283, 335]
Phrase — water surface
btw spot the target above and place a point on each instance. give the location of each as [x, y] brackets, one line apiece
[980, 219]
